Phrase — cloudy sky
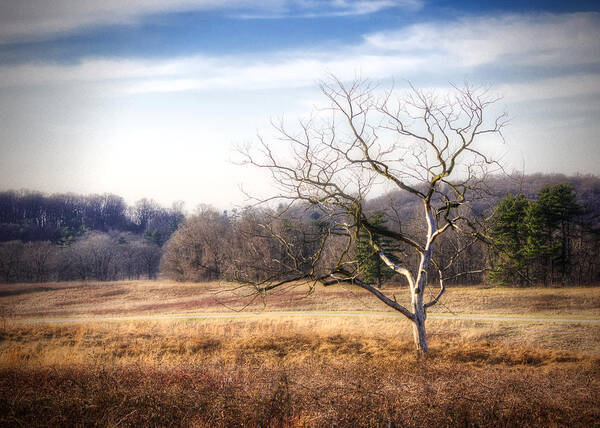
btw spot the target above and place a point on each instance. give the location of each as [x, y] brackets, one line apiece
[147, 99]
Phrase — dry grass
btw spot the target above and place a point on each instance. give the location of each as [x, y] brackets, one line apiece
[175, 342]
[163, 297]
[402, 394]
[277, 370]
[296, 372]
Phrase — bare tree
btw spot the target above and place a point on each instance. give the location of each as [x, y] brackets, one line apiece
[11, 261]
[430, 146]
[39, 260]
[198, 250]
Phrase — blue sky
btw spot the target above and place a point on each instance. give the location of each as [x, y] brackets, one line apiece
[147, 99]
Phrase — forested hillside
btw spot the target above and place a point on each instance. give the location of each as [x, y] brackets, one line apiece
[34, 216]
[559, 228]
[72, 237]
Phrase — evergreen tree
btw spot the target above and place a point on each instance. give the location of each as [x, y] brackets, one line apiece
[551, 222]
[510, 234]
[532, 239]
[370, 265]
[539, 246]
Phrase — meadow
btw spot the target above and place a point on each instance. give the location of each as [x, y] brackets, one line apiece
[271, 368]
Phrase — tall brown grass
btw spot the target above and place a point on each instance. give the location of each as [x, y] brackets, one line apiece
[277, 371]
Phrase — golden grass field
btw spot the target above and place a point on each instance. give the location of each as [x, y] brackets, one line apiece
[279, 370]
[138, 298]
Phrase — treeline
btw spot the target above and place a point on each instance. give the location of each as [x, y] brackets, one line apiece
[248, 245]
[554, 239]
[538, 229]
[59, 218]
[64, 237]
[94, 255]
[561, 245]
[547, 240]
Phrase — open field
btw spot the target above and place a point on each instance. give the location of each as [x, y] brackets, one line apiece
[277, 370]
[136, 298]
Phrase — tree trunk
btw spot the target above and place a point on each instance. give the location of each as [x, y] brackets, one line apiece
[420, 333]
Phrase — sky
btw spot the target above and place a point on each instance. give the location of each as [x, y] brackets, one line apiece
[148, 98]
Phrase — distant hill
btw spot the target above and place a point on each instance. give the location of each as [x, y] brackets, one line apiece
[34, 216]
[587, 188]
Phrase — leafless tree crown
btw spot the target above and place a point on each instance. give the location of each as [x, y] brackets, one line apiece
[430, 145]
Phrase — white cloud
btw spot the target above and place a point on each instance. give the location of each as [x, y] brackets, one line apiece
[287, 69]
[439, 49]
[134, 144]
[579, 85]
[317, 8]
[283, 70]
[32, 19]
[543, 39]
[345, 7]
[280, 73]
[26, 20]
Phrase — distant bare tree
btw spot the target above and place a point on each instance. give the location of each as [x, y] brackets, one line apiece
[39, 260]
[148, 254]
[11, 261]
[198, 250]
[94, 256]
[432, 147]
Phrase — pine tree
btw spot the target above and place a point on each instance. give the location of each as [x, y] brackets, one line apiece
[510, 234]
[550, 223]
[370, 265]
[532, 239]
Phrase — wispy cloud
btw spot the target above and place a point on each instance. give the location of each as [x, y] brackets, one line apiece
[577, 85]
[317, 8]
[89, 118]
[289, 69]
[27, 20]
[541, 39]
[438, 48]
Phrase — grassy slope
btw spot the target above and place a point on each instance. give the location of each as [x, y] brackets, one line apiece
[292, 371]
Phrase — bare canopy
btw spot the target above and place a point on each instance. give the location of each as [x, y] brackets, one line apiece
[430, 146]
